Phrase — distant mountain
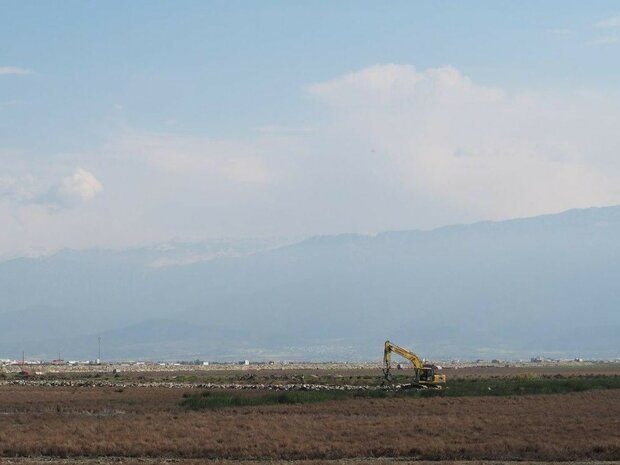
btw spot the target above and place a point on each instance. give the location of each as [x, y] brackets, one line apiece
[542, 285]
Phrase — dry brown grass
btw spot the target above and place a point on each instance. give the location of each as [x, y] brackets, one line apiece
[147, 422]
[358, 461]
[372, 461]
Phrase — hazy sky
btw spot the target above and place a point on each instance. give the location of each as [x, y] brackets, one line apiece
[125, 123]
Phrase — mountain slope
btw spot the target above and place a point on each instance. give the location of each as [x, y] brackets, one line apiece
[512, 288]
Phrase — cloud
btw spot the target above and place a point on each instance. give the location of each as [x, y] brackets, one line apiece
[604, 40]
[476, 148]
[18, 188]
[607, 23]
[389, 146]
[81, 185]
[38, 209]
[391, 85]
[180, 155]
[13, 70]
[27, 189]
[610, 37]
[564, 32]
[75, 189]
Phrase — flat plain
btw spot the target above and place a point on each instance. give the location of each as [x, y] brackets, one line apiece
[125, 423]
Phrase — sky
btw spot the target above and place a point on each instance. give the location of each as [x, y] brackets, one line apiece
[130, 123]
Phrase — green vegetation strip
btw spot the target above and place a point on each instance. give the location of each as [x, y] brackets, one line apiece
[214, 399]
[456, 388]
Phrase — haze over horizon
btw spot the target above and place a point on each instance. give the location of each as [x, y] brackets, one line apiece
[545, 285]
[238, 246]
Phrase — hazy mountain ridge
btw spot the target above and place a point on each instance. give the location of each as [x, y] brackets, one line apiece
[513, 288]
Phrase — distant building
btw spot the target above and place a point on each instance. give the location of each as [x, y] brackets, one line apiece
[244, 362]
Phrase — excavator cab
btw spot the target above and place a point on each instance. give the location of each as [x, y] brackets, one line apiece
[431, 374]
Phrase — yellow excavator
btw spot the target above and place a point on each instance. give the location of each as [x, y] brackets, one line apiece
[427, 375]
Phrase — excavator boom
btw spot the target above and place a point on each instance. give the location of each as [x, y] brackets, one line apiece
[389, 348]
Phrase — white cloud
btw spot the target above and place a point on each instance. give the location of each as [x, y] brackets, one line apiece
[14, 70]
[392, 147]
[194, 156]
[71, 191]
[27, 189]
[610, 37]
[393, 85]
[611, 22]
[38, 210]
[18, 188]
[604, 40]
[79, 187]
[559, 31]
[475, 148]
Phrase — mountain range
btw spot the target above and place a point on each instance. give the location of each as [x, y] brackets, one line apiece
[546, 285]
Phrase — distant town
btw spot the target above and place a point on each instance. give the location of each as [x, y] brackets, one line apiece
[33, 366]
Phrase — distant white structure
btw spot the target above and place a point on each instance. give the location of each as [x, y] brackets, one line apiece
[205, 363]
[244, 362]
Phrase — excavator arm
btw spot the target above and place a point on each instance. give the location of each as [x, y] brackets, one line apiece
[387, 355]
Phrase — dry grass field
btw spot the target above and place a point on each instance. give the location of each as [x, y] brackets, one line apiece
[149, 423]
[371, 461]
